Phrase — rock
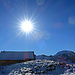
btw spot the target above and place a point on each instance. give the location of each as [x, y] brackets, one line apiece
[24, 68]
[42, 71]
[28, 74]
[35, 67]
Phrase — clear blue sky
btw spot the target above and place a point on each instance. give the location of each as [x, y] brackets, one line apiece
[54, 21]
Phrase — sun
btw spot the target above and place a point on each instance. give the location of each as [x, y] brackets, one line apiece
[26, 26]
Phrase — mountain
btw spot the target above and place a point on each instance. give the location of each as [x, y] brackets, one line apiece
[64, 56]
[66, 52]
[42, 57]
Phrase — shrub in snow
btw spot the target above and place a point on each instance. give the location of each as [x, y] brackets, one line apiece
[39, 66]
[35, 72]
[71, 70]
[36, 69]
[2, 71]
[39, 72]
[47, 69]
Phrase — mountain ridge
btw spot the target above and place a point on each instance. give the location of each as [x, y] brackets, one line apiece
[66, 56]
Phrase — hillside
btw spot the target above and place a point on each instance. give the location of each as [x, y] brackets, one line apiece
[38, 67]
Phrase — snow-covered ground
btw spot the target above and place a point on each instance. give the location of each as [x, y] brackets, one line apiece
[36, 67]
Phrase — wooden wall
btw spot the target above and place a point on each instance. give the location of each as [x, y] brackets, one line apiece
[8, 62]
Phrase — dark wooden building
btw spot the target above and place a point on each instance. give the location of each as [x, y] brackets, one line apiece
[10, 57]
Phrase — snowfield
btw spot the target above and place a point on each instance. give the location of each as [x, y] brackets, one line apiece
[38, 67]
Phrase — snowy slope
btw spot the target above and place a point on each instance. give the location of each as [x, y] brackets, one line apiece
[42, 67]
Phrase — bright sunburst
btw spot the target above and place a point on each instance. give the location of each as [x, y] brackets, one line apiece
[26, 26]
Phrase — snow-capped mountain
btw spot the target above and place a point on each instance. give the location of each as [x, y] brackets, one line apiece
[64, 56]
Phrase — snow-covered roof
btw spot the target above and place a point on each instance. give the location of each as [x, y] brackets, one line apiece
[15, 55]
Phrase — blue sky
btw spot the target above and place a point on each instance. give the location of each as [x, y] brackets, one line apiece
[54, 21]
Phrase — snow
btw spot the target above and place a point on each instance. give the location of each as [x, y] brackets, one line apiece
[34, 67]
